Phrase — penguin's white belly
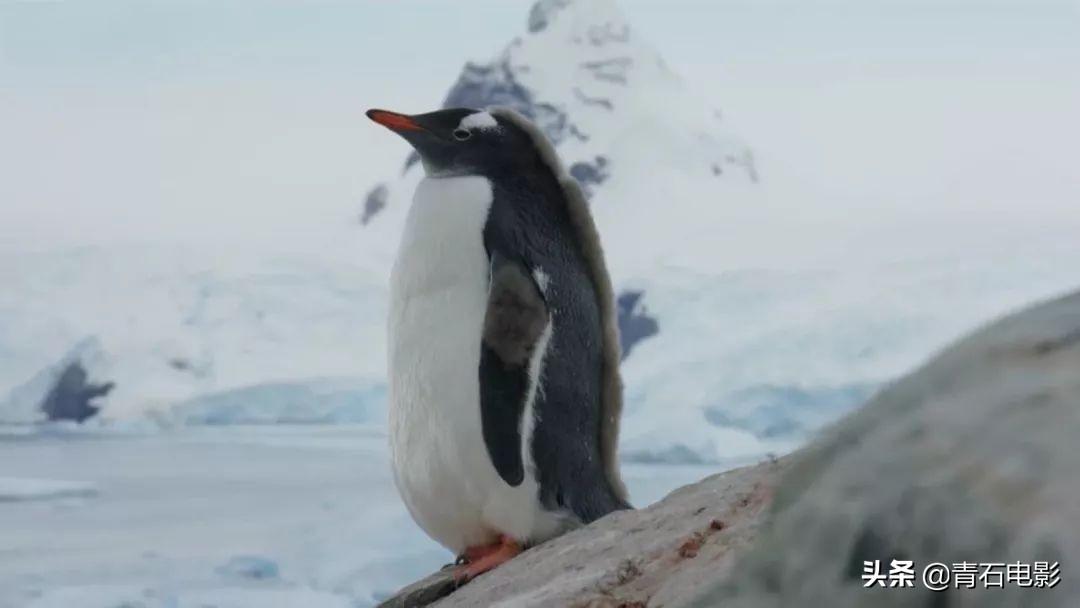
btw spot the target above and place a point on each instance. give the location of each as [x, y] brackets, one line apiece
[439, 290]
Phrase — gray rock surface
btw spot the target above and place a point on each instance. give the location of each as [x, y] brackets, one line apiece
[659, 554]
[971, 458]
[73, 395]
[974, 457]
[635, 322]
[664, 553]
[542, 13]
[589, 175]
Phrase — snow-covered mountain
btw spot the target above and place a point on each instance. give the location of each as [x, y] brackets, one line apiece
[650, 151]
[748, 327]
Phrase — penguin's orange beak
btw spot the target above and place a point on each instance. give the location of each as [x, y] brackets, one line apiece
[394, 121]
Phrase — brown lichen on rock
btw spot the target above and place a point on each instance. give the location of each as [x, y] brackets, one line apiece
[689, 548]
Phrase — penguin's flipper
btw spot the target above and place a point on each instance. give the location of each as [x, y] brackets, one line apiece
[514, 324]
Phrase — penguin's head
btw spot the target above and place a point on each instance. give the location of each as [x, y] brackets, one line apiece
[460, 141]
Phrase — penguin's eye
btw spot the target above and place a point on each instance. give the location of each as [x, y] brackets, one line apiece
[462, 134]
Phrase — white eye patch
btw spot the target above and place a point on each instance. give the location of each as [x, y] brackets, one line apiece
[478, 120]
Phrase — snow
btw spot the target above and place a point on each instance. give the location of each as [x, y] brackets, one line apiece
[14, 489]
[750, 359]
[312, 401]
[172, 323]
[755, 361]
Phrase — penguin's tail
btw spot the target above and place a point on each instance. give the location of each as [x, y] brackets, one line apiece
[602, 501]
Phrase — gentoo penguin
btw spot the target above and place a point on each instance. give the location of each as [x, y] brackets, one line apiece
[505, 394]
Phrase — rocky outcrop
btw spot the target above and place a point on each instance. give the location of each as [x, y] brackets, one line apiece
[69, 389]
[72, 397]
[635, 322]
[590, 174]
[969, 459]
[664, 553]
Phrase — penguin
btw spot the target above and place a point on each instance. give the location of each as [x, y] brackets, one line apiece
[504, 388]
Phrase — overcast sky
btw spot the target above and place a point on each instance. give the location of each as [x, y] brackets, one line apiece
[123, 120]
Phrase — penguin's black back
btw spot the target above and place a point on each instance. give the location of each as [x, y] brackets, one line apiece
[529, 221]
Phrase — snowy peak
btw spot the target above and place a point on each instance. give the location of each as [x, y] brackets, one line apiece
[571, 54]
[603, 95]
[585, 76]
[575, 55]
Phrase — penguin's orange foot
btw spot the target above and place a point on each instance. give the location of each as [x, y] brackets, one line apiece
[473, 554]
[486, 557]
